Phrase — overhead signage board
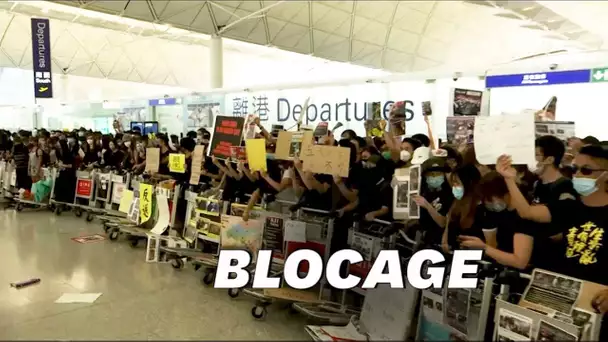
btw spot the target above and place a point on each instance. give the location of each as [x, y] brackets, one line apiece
[538, 79]
[41, 57]
[599, 75]
[167, 101]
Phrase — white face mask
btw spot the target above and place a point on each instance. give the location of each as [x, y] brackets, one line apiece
[405, 156]
[90, 142]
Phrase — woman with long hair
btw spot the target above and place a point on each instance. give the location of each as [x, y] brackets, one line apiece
[464, 211]
[66, 180]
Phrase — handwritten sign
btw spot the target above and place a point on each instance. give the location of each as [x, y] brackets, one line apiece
[329, 160]
[289, 144]
[511, 134]
[177, 163]
[145, 202]
[152, 159]
[197, 164]
[256, 154]
[227, 132]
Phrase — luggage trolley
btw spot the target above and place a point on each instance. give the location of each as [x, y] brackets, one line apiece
[319, 230]
[137, 231]
[340, 313]
[457, 314]
[9, 181]
[118, 183]
[100, 194]
[83, 196]
[552, 312]
[47, 183]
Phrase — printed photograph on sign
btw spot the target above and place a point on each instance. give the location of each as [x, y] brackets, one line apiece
[375, 126]
[550, 332]
[466, 102]
[397, 118]
[548, 112]
[403, 191]
[459, 130]
[238, 234]
[89, 239]
[553, 291]
[514, 325]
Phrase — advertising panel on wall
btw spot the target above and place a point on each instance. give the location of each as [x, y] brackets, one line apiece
[345, 104]
[201, 110]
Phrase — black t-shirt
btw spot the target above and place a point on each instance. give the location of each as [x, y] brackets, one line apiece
[546, 250]
[163, 163]
[476, 229]
[20, 156]
[584, 244]
[441, 200]
[507, 223]
[210, 168]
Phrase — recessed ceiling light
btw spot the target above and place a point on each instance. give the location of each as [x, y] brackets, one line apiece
[529, 8]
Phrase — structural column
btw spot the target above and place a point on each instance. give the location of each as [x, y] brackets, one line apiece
[216, 62]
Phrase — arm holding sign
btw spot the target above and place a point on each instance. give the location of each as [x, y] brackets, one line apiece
[350, 195]
[263, 130]
[430, 130]
[255, 197]
[278, 186]
[538, 213]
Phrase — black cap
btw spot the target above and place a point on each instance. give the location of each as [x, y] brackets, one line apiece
[435, 164]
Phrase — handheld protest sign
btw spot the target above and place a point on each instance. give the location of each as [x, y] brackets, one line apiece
[256, 154]
[197, 164]
[152, 159]
[329, 160]
[177, 163]
[227, 132]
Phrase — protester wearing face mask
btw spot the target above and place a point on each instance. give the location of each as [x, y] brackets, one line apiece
[435, 200]
[510, 238]
[91, 155]
[464, 213]
[375, 193]
[582, 222]
[408, 146]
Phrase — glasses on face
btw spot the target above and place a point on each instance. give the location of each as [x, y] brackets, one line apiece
[585, 170]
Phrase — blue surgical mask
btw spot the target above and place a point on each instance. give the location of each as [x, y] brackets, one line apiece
[386, 155]
[435, 182]
[584, 186]
[458, 192]
[496, 206]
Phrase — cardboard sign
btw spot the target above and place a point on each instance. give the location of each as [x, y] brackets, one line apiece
[152, 159]
[289, 144]
[329, 160]
[177, 163]
[256, 154]
[197, 164]
[227, 132]
[145, 202]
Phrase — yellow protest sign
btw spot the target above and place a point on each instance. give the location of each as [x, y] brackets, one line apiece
[125, 201]
[177, 163]
[256, 154]
[145, 201]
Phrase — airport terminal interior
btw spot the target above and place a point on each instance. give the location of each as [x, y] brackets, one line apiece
[303, 170]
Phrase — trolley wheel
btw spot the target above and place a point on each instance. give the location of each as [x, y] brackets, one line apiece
[90, 217]
[259, 312]
[208, 278]
[78, 212]
[233, 293]
[134, 242]
[197, 267]
[177, 263]
[114, 234]
[19, 207]
[58, 210]
[51, 207]
[106, 228]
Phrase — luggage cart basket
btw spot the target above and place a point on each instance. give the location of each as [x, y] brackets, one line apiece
[38, 200]
[100, 194]
[119, 182]
[319, 230]
[83, 196]
[136, 231]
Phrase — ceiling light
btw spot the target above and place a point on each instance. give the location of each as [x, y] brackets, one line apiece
[44, 10]
[529, 8]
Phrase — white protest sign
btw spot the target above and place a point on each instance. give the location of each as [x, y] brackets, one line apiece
[510, 134]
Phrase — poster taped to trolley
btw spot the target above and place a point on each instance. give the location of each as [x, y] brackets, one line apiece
[386, 269]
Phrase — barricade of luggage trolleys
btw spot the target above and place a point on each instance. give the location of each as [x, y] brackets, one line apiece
[158, 216]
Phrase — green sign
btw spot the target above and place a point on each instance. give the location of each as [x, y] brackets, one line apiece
[599, 75]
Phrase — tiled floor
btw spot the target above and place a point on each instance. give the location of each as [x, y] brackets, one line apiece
[140, 301]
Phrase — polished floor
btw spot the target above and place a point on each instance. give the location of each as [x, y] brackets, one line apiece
[140, 301]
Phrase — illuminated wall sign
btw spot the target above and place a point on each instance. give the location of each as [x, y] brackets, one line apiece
[168, 101]
[538, 79]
